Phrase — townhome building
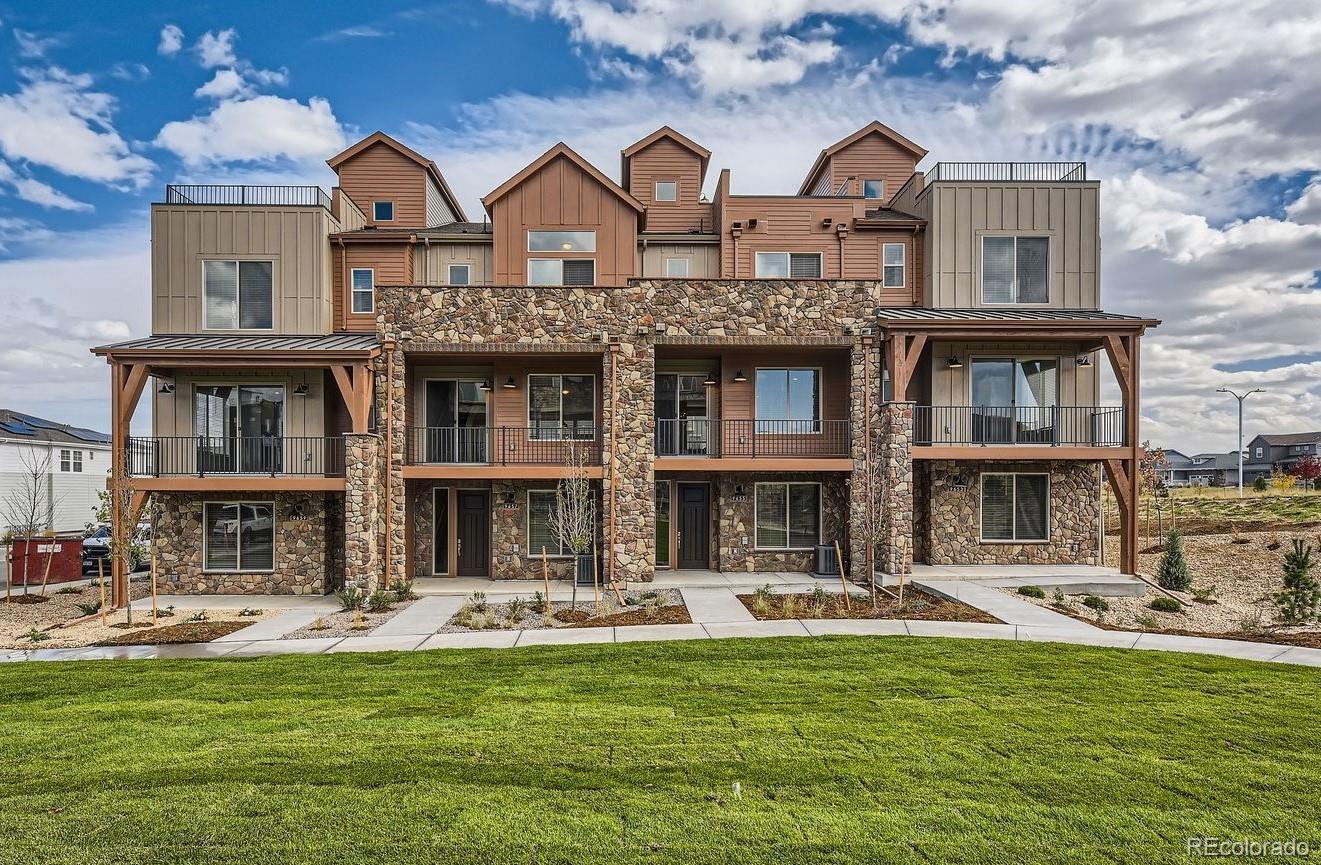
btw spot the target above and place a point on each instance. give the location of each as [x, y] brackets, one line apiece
[369, 384]
[1278, 452]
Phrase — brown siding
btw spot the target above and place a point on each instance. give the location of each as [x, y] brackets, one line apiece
[563, 196]
[873, 156]
[381, 173]
[667, 160]
[393, 265]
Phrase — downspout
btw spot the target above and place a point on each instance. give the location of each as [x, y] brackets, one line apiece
[614, 459]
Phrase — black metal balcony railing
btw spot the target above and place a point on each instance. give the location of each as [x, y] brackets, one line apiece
[711, 437]
[170, 456]
[236, 194]
[1026, 172]
[1097, 426]
[536, 445]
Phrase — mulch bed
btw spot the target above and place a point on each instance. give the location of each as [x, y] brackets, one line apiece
[674, 614]
[917, 605]
[184, 632]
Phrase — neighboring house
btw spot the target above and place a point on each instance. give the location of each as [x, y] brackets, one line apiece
[1201, 470]
[368, 385]
[73, 464]
[1268, 453]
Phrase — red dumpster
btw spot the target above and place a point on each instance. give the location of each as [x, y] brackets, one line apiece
[65, 556]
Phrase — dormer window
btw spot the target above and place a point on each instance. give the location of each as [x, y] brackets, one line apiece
[873, 190]
[382, 211]
[667, 190]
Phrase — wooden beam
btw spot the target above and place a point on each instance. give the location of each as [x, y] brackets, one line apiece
[1116, 471]
[362, 397]
[345, 384]
[137, 502]
[896, 361]
[1117, 351]
[239, 484]
[118, 576]
[915, 346]
[134, 382]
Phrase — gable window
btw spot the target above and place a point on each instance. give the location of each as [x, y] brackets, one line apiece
[667, 190]
[237, 295]
[382, 211]
[676, 267]
[364, 289]
[788, 401]
[873, 189]
[561, 407]
[460, 274]
[238, 536]
[561, 241]
[561, 271]
[1015, 269]
[1015, 507]
[892, 257]
[1260, 452]
[788, 265]
[788, 516]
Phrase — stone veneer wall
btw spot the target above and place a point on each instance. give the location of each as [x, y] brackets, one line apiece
[895, 470]
[625, 323]
[362, 510]
[736, 537]
[300, 546]
[954, 516]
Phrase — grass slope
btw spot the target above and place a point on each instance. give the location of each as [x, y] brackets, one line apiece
[1219, 511]
[848, 750]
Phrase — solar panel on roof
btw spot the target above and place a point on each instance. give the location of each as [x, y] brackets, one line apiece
[34, 421]
[17, 428]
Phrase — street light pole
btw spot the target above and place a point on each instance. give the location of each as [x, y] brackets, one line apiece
[1240, 398]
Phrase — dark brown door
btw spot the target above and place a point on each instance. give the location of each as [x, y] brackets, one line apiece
[694, 526]
[474, 527]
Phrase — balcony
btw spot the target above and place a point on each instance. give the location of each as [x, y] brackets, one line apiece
[710, 438]
[503, 446]
[1019, 426]
[233, 463]
[1007, 172]
[239, 195]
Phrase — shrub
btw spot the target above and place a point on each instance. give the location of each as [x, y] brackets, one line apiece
[1058, 597]
[1101, 605]
[199, 616]
[761, 606]
[248, 612]
[516, 610]
[1204, 594]
[350, 597]
[539, 602]
[1302, 594]
[819, 598]
[789, 606]
[1260, 484]
[766, 592]
[36, 636]
[1146, 620]
[1273, 542]
[90, 609]
[166, 611]
[319, 624]
[477, 600]
[1165, 604]
[69, 590]
[380, 601]
[403, 590]
[1172, 573]
[651, 606]
[1032, 591]
[1283, 482]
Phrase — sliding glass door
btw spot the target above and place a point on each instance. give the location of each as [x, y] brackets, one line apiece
[1014, 401]
[239, 428]
[456, 416]
[683, 421]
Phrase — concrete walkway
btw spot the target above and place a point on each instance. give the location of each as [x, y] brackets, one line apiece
[423, 617]
[714, 605]
[1004, 607]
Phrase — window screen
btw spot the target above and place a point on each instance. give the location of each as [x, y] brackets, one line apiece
[893, 262]
[255, 301]
[1015, 269]
[240, 536]
[873, 189]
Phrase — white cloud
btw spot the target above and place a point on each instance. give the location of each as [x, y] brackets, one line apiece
[1307, 207]
[259, 129]
[130, 71]
[171, 41]
[57, 120]
[217, 49]
[225, 84]
[360, 31]
[32, 46]
[15, 231]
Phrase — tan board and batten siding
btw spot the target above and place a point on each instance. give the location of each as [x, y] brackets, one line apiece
[381, 173]
[1078, 386]
[703, 259]
[172, 413]
[293, 238]
[961, 214]
[666, 159]
[562, 196]
[431, 262]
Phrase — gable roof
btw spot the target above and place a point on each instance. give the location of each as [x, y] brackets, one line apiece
[379, 137]
[1301, 438]
[626, 155]
[876, 127]
[560, 150]
[14, 424]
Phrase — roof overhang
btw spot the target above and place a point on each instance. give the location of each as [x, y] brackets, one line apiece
[212, 350]
[432, 170]
[1035, 325]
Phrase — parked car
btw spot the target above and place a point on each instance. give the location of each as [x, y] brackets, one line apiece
[96, 547]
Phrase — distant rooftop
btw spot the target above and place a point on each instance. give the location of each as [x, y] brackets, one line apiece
[14, 424]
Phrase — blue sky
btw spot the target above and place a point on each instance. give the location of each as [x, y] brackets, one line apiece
[1200, 116]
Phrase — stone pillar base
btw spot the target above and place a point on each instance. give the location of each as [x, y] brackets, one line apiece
[362, 511]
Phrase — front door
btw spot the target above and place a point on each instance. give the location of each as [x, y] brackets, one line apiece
[694, 526]
[474, 533]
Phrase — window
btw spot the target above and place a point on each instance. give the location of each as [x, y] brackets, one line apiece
[1014, 269]
[788, 401]
[1260, 452]
[873, 189]
[1014, 400]
[662, 524]
[676, 267]
[788, 265]
[66, 461]
[382, 211]
[460, 274]
[561, 407]
[667, 190]
[561, 271]
[788, 516]
[364, 289]
[561, 241]
[540, 529]
[77, 461]
[238, 536]
[239, 429]
[892, 257]
[1015, 507]
[237, 295]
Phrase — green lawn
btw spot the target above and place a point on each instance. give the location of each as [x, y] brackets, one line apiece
[848, 750]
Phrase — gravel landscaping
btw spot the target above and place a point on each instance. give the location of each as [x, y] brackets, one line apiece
[346, 623]
[659, 607]
[766, 604]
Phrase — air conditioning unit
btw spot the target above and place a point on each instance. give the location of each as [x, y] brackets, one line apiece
[827, 565]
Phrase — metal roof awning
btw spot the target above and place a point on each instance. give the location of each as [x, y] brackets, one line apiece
[1010, 322]
[280, 350]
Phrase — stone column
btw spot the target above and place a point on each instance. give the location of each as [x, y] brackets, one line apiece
[362, 510]
[393, 388]
[630, 366]
[864, 395]
[896, 483]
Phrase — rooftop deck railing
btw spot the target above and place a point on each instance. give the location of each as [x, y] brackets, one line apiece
[1073, 426]
[239, 195]
[1025, 172]
[200, 456]
[503, 445]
